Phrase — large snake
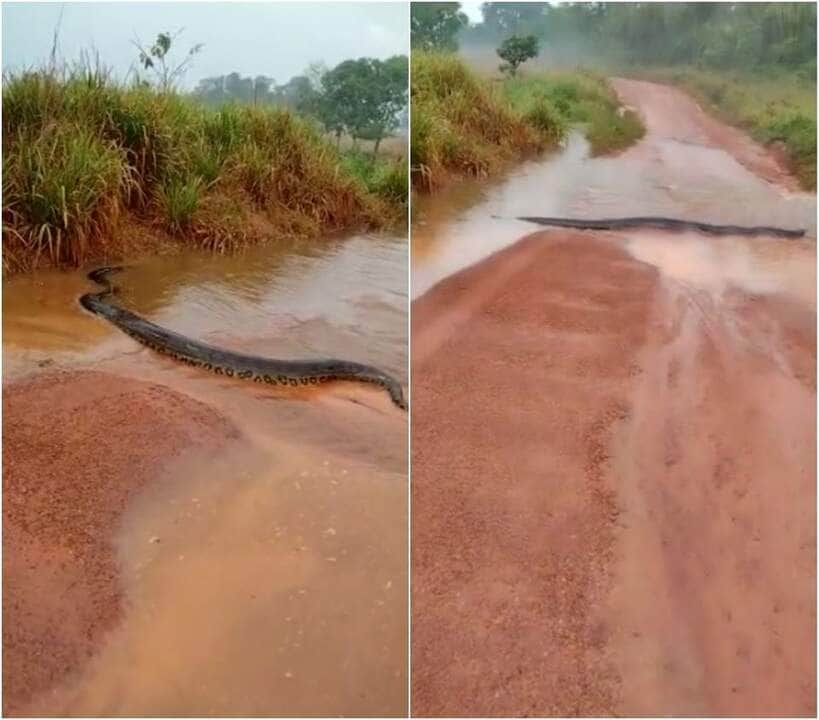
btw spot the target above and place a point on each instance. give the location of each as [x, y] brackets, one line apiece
[662, 223]
[224, 362]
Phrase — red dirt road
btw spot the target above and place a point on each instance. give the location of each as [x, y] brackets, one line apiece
[613, 492]
[613, 479]
[670, 113]
[77, 447]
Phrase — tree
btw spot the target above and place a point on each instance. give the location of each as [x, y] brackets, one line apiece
[516, 50]
[435, 25]
[296, 94]
[235, 88]
[386, 99]
[156, 60]
[364, 98]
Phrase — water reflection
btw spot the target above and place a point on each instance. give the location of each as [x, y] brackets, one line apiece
[660, 175]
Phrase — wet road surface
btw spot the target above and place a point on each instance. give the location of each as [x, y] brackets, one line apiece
[614, 439]
[212, 547]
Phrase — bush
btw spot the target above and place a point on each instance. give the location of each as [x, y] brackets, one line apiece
[547, 120]
[79, 150]
[179, 199]
[63, 191]
[460, 125]
[555, 100]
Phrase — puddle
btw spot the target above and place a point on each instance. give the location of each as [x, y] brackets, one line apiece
[260, 582]
[754, 265]
[661, 175]
[271, 578]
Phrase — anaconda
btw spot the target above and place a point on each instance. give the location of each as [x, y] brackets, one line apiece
[663, 223]
[290, 373]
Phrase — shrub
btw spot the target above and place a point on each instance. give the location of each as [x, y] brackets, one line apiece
[179, 199]
[63, 191]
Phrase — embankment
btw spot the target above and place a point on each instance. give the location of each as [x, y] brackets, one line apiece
[93, 169]
[470, 124]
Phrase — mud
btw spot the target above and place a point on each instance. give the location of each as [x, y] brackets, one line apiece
[515, 388]
[673, 114]
[614, 453]
[265, 576]
[67, 480]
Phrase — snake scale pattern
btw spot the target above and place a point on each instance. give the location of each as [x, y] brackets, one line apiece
[224, 362]
[662, 223]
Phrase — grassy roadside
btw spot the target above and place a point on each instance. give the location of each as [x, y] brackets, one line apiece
[580, 98]
[464, 124]
[774, 107]
[84, 157]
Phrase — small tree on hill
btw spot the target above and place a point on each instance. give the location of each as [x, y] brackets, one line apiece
[156, 59]
[516, 50]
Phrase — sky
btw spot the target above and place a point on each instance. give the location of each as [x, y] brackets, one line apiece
[473, 11]
[275, 39]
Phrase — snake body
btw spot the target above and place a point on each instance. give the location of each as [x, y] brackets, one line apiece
[224, 362]
[663, 223]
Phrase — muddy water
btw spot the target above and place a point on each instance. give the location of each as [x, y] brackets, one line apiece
[270, 578]
[674, 171]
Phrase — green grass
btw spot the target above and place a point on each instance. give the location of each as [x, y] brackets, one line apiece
[83, 155]
[771, 105]
[63, 191]
[179, 199]
[463, 125]
[578, 98]
[384, 177]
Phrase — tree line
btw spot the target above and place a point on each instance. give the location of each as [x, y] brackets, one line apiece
[364, 98]
[718, 35]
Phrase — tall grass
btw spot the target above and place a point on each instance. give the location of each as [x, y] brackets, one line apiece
[82, 155]
[581, 98]
[461, 125]
[63, 191]
[385, 177]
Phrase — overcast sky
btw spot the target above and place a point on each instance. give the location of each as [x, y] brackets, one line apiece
[276, 39]
[473, 11]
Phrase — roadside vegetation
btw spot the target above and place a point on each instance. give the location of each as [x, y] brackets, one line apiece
[461, 125]
[751, 64]
[471, 123]
[464, 124]
[775, 107]
[87, 160]
[580, 98]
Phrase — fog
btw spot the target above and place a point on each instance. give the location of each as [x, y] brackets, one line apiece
[274, 39]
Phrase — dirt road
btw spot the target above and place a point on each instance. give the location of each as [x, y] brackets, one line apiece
[614, 469]
[182, 544]
[67, 479]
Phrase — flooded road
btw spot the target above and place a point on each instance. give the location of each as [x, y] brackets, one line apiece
[263, 572]
[614, 452]
[678, 170]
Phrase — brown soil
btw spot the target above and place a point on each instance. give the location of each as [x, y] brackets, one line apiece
[520, 367]
[77, 447]
[672, 113]
[613, 453]
[613, 479]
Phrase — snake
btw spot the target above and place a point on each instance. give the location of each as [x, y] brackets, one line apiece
[286, 373]
[662, 223]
